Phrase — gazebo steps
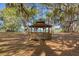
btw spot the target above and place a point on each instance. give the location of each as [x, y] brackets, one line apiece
[41, 35]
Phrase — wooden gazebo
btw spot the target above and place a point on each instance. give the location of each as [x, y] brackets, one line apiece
[44, 31]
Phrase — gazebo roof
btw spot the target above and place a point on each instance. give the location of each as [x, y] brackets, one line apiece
[41, 24]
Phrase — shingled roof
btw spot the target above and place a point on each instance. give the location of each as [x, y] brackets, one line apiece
[41, 24]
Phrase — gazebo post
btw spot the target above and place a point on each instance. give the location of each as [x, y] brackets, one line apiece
[48, 30]
[43, 29]
[51, 29]
[34, 29]
[31, 29]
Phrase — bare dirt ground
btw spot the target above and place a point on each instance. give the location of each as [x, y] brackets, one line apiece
[17, 44]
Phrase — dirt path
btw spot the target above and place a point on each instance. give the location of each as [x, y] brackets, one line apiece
[61, 44]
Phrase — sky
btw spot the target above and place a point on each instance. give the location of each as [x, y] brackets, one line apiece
[42, 10]
[2, 6]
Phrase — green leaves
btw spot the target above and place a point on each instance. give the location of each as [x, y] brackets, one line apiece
[56, 11]
[10, 18]
[9, 12]
[70, 11]
[49, 14]
[32, 11]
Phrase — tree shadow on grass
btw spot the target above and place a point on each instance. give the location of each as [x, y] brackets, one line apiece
[70, 53]
[11, 47]
[74, 52]
[43, 48]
